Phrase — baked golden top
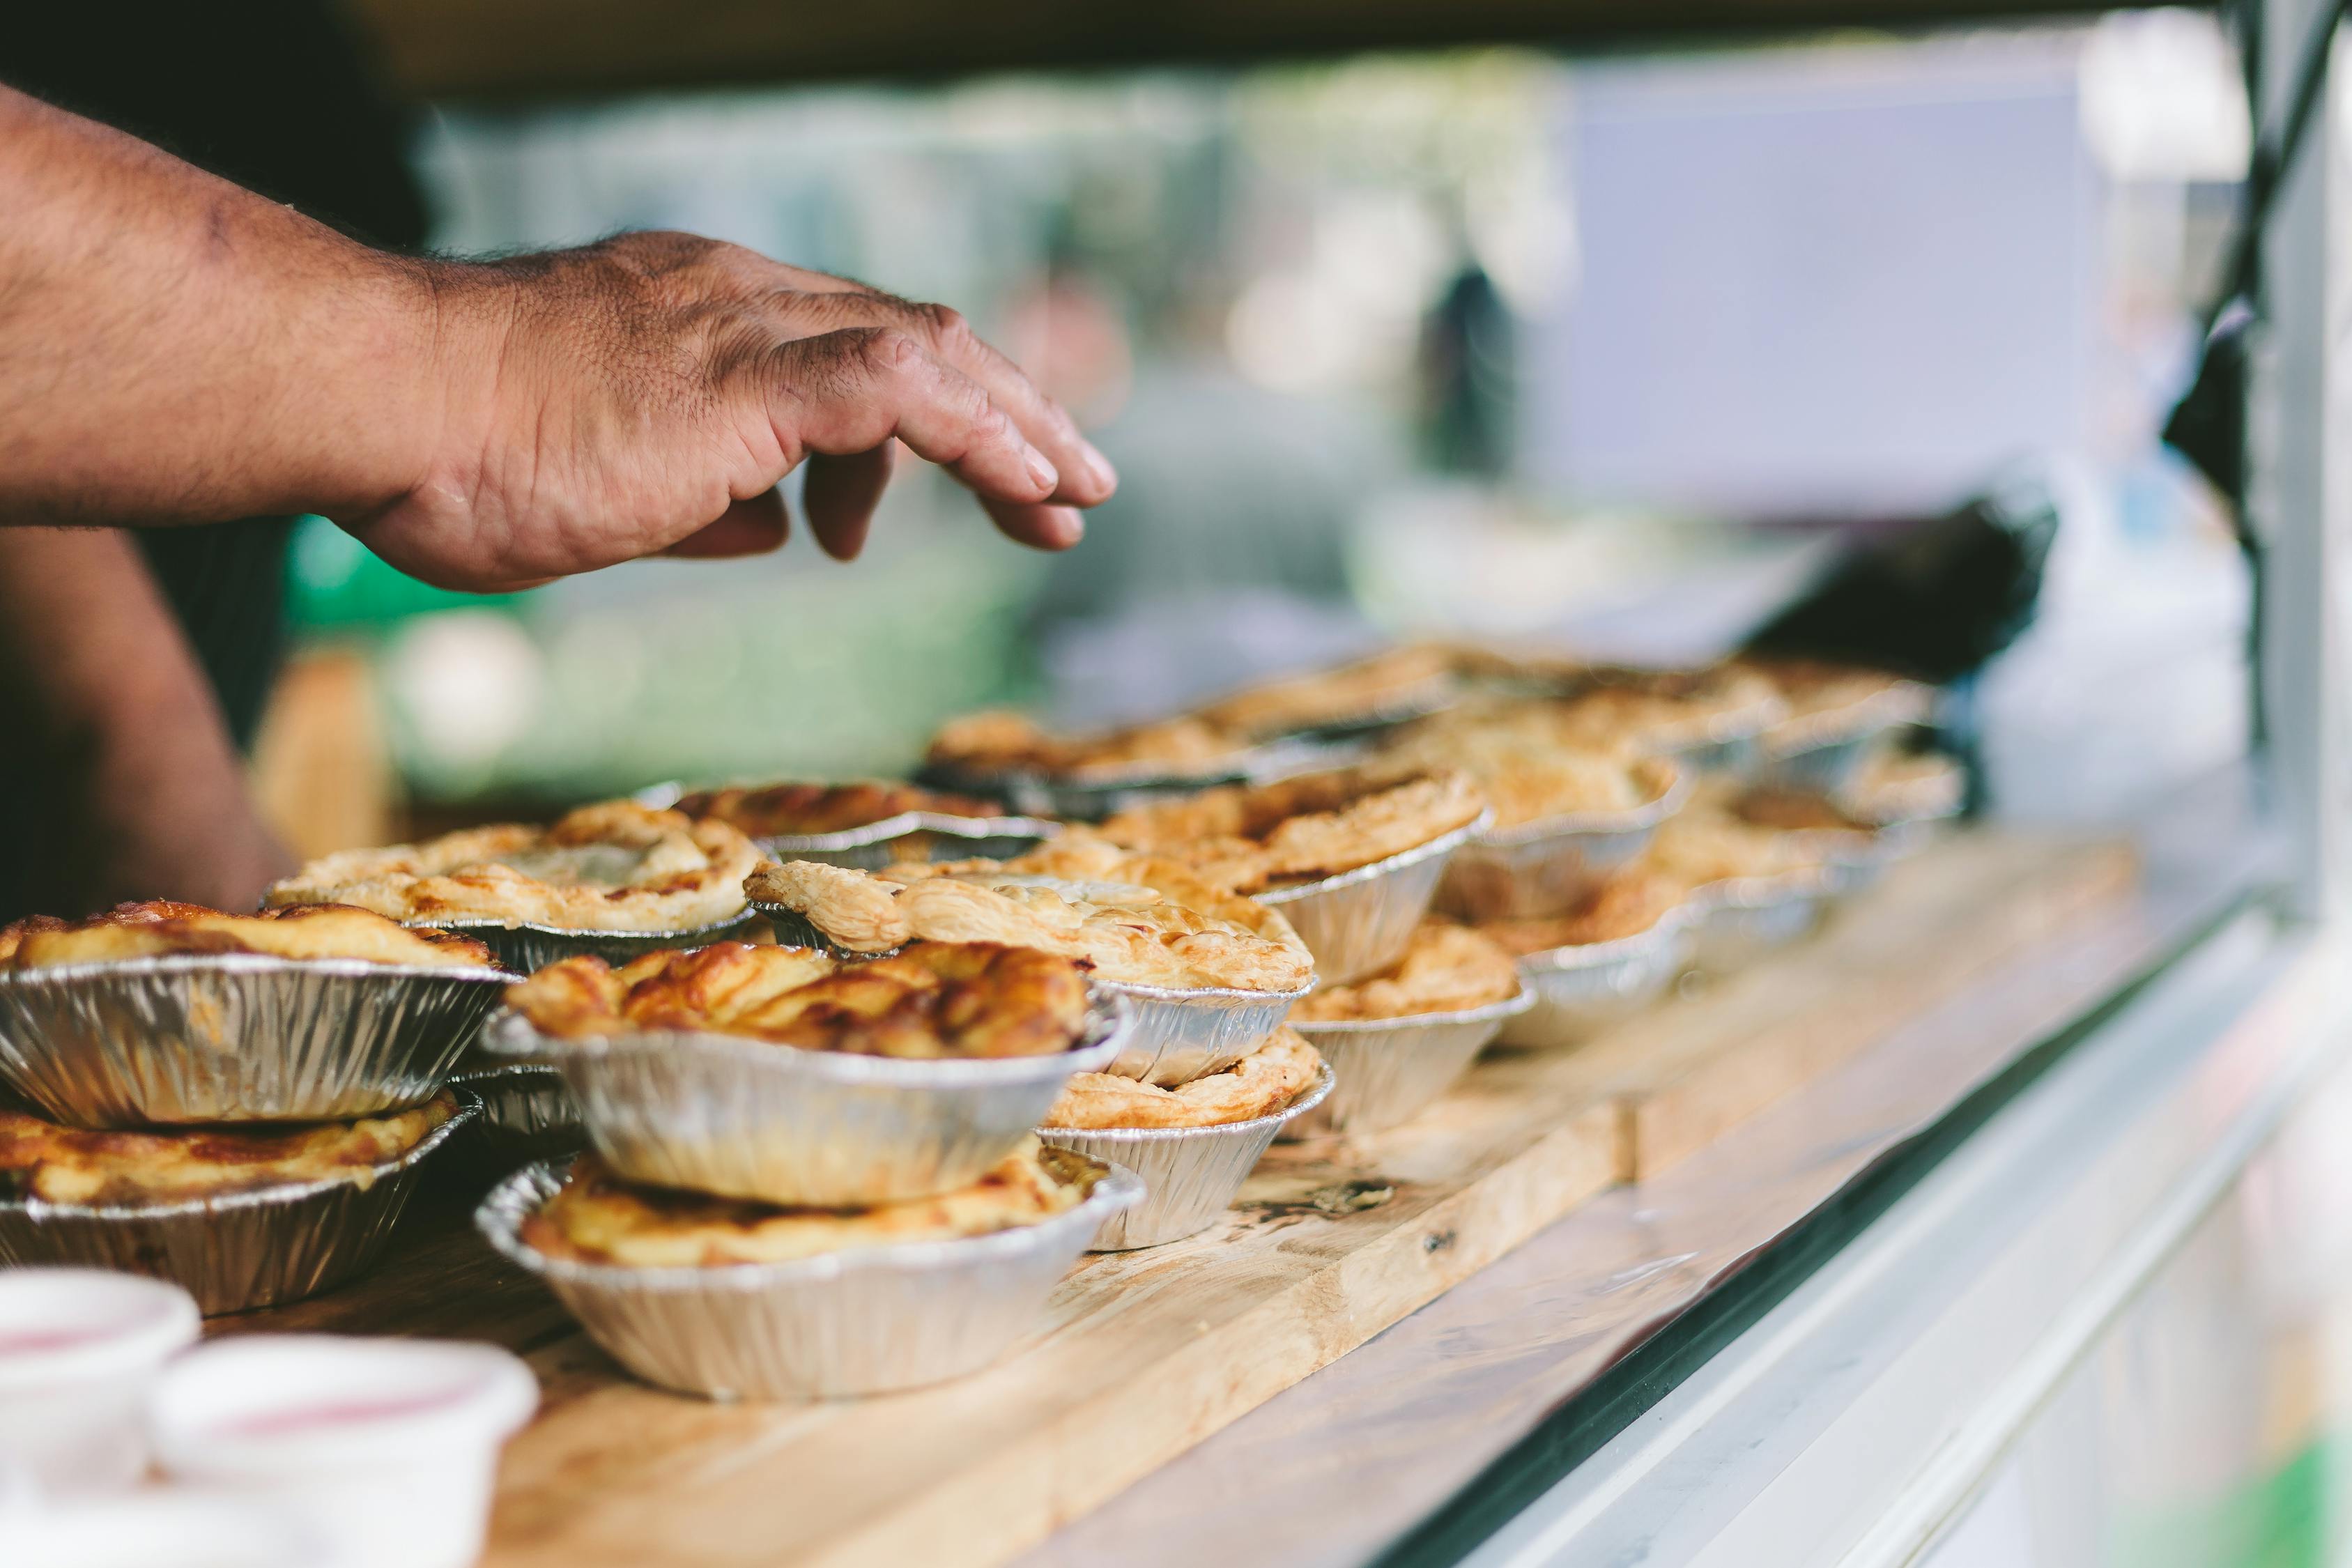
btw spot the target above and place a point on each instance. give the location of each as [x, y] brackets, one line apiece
[1726, 834]
[160, 926]
[789, 810]
[1446, 968]
[1534, 758]
[1894, 785]
[1246, 839]
[1386, 682]
[597, 1217]
[933, 1000]
[614, 865]
[1663, 710]
[1153, 924]
[1812, 689]
[1000, 741]
[1629, 902]
[1260, 1084]
[57, 1164]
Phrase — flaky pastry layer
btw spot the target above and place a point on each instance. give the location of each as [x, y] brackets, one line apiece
[56, 1164]
[1249, 838]
[1154, 924]
[798, 810]
[1446, 968]
[616, 865]
[159, 927]
[597, 1217]
[1260, 1084]
[932, 1000]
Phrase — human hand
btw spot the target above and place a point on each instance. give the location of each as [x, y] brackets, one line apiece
[647, 394]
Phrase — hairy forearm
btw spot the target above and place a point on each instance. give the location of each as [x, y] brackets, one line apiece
[175, 349]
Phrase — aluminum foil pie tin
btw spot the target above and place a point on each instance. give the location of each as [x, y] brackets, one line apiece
[239, 1250]
[1389, 1070]
[1822, 751]
[1182, 1033]
[525, 1106]
[835, 1326]
[753, 1119]
[914, 834]
[234, 1036]
[526, 948]
[1360, 922]
[1737, 922]
[1545, 867]
[1582, 990]
[1190, 1174]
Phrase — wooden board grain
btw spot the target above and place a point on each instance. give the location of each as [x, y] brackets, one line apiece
[1141, 1356]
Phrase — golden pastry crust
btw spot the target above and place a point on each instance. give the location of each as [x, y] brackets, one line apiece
[1629, 902]
[933, 1000]
[1534, 759]
[1419, 675]
[1153, 923]
[1260, 1084]
[1894, 785]
[160, 926]
[1446, 968]
[1813, 689]
[804, 810]
[614, 865]
[597, 1217]
[1663, 711]
[1711, 840]
[1013, 743]
[1248, 839]
[57, 1164]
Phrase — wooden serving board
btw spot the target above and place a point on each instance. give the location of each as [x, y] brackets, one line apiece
[1142, 1354]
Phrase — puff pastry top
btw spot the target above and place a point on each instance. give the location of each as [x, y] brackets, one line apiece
[1446, 968]
[597, 1217]
[1012, 743]
[935, 999]
[616, 865]
[160, 926]
[1155, 925]
[797, 810]
[1248, 839]
[1260, 1084]
[1629, 904]
[57, 1164]
[1534, 758]
[1400, 678]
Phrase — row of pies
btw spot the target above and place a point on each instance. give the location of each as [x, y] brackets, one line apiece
[1079, 966]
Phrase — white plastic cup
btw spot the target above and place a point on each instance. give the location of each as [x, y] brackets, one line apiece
[79, 1350]
[387, 1446]
[159, 1529]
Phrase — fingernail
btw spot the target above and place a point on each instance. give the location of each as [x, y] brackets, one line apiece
[1041, 469]
[1074, 528]
[1098, 469]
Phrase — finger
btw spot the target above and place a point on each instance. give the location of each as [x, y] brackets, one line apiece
[752, 526]
[843, 492]
[1043, 527]
[850, 391]
[1087, 477]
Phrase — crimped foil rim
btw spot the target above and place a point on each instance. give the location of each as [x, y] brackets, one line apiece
[901, 825]
[1201, 995]
[1306, 1100]
[1109, 1016]
[586, 934]
[249, 963]
[1889, 708]
[505, 1072]
[500, 1215]
[468, 1107]
[1511, 1006]
[1445, 843]
[1575, 824]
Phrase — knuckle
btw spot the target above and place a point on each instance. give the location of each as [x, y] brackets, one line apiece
[947, 325]
[891, 353]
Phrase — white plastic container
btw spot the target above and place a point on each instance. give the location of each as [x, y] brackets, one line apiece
[386, 1447]
[159, 1529]
[79, 1350]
